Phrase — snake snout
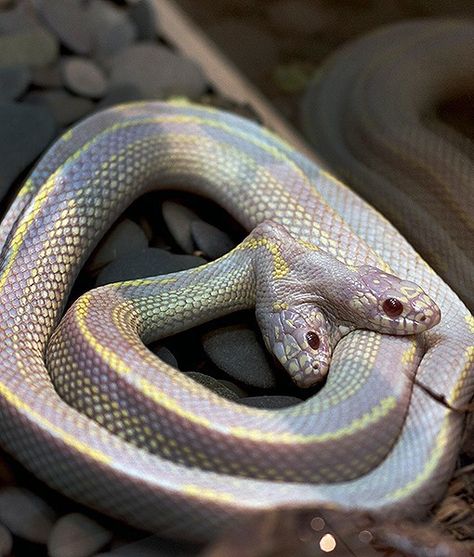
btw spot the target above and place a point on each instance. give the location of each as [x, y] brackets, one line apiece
[425, 312]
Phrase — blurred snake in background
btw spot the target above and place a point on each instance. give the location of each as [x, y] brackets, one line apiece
[372, 113]
[89, 410]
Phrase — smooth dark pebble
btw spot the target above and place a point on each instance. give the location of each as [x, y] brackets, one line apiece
[24, 132]
[32, 47]
[178, 219]
[157, 71]
[167, 356]
[18, 18]
[111, 29]
[83, 77]
[148, 262]
[64, 107]
[68, 19]
[233, 387]
[14, 81]
[212, 384]
[210, 240]
[25, 514]
[76, 535]
[47, 76]
[144, 16]
[270, 402]
[236, 350]
[118, 94]
[6, 541]
[124, 238]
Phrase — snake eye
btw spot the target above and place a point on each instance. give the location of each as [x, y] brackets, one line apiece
[392, 307]
[313, 339]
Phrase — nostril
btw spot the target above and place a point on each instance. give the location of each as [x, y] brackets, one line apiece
[423, 318]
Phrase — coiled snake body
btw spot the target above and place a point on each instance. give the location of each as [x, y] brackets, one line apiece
[369, 440]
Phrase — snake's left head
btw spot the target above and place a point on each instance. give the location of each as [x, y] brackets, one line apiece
[302, 340]
[392, 305]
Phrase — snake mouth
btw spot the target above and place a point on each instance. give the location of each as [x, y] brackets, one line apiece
[406, 325]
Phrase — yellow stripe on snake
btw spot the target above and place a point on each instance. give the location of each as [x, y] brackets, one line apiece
[135, 438]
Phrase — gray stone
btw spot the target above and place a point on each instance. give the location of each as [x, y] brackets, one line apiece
[6, 541]
[25, 514]
[32, 47]
[118, 94]
[83, 77]
[178, 219]
[47, 76]
[144, 16]
[24, 132]
[210, 240]
[270, 402]
[69, 20]
[125, 237]
[212, 384]
[14, 81]
[20, 17]
[64, 107]
[111, 29]
[148, 262]
[76, 535]
[237, 350]
[167, 356]
[157, 71]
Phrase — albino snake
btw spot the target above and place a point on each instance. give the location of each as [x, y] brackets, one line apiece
[368, 439]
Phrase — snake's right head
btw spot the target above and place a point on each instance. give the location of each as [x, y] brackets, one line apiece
[301, 341]
[389, 304]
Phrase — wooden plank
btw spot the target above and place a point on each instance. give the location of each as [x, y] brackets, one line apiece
[182, 32]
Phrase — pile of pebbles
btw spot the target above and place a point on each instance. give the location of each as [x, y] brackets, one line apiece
[61, 60]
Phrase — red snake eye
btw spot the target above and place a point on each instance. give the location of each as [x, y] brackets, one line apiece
[313, 339]
[392, 307]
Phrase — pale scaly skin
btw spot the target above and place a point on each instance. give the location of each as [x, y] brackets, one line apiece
[395, 446]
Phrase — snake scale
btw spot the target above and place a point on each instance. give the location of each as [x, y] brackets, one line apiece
[369, 440]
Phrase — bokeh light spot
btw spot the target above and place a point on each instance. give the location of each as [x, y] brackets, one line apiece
[317, 523]
[327, 543]
[365, 536]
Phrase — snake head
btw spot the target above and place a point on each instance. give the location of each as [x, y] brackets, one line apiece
[389, 304]
[301, 340]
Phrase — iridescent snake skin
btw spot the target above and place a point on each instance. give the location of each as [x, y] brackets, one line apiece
[174, 457]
